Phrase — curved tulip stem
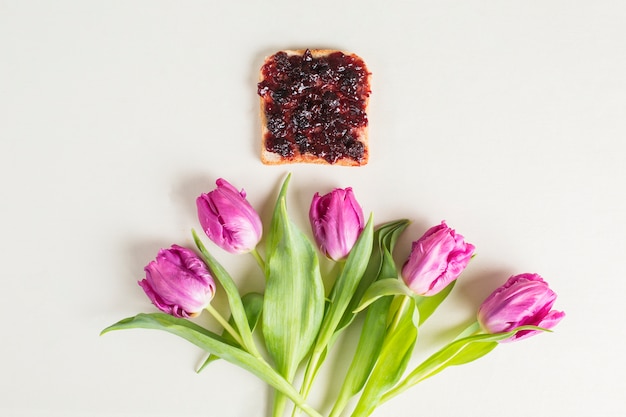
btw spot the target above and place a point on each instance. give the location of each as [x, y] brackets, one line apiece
[470, 330]
[259, 259]
[221, 320]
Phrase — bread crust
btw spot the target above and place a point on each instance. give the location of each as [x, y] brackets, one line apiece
[272, 158]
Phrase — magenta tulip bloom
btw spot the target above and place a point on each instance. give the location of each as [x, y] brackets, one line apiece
[436, 259]
[523, 300]
[178, 282]
[337, 221]
[228, 219]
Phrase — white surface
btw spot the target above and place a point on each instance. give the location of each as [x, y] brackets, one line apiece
[507, 119]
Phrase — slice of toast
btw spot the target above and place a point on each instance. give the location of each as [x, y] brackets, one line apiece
[314, 108]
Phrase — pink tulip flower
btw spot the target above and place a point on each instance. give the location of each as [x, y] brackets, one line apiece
[523, 300]
[178, 282]
[337, 221]
[436, 259]
[228, 219]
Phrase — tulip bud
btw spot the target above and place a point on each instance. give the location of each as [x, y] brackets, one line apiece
[337, 221]
[228, 219]
[178, 282]
[523, 300]
[436, 259]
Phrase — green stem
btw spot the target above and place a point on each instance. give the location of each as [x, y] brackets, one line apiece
[332, 318]
[309, 410]
[220, 319]
[311, 371]
[259, 259]
[280, 402]
[234, 301]
[323, 339]
[470, 330]
[321, 344]
[345, 393]
[340, 404]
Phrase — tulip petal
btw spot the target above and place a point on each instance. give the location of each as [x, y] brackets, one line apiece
[337, 221]
[523, 300]
[436, 259]
[178, 282]
[228, 219]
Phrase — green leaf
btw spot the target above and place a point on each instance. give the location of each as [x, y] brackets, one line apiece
[382, 288]
[472, 352]
[389, 234]
[428, 305]
[367, 352]
[458, 352]
[253, 305]
[392, 361]
[294, 294]
[213, 343]
[346, 284]
[237, 310]
[340, 297]
[381, 264]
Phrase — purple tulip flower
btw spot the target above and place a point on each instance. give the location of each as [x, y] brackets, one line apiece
[436, 259]
[523, 300]
[178, 282]
[228, 219]
[337, 221]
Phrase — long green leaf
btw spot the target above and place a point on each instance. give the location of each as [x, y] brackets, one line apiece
[340, 297]
[367, 352]
[347, 282]
[237, 310]
[294, 294]
[458, 352]
[374, 328]
[472, 352]
[214, 344]
[382, 288]
[392, 362]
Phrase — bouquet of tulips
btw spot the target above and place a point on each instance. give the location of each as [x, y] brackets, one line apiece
[284, 335]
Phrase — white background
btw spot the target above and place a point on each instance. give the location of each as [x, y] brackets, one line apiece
[506, 118]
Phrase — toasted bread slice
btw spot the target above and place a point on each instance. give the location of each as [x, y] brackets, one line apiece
[314, 108]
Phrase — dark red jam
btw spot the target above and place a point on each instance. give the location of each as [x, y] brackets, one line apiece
[315, 106]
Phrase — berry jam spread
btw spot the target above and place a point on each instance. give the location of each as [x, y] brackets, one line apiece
[315, 106]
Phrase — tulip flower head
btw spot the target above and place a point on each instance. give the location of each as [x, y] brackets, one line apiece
[337, 221]
[178, 282]
[228, 219]
[436, 259]
[525, 299]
